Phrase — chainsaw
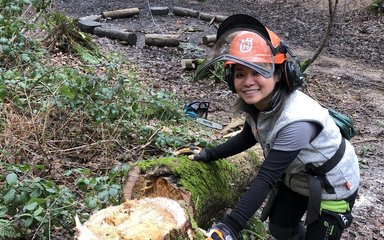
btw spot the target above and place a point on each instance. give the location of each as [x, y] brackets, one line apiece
[199, 112]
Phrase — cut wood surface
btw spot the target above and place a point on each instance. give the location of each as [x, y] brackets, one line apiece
[162, 40]
[148, 218]
[159, 11]
[121, 13]
[128, 37]
[87, 25]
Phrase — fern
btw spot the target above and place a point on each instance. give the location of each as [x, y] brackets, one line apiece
[7, 230]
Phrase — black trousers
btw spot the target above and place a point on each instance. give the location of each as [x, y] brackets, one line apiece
[288, 209]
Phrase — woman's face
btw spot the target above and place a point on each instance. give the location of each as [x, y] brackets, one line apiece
[253, 88]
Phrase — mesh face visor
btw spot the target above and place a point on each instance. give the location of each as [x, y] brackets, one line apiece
[239, 46]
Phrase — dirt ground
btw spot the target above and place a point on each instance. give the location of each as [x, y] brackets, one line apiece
[348, 75]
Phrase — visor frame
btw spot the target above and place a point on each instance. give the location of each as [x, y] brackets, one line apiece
[212, 59]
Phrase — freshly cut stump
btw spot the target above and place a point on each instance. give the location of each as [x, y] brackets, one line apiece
[148, 218]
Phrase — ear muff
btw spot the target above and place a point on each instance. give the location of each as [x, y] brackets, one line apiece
[229, 78]
[291, 70]
[293, 75]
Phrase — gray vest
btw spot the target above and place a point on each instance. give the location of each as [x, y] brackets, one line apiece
[344, 178]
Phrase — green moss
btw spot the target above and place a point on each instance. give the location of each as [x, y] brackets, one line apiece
[208, 183]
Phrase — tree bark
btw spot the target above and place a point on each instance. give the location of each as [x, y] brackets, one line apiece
[162, 40]
[121, 13]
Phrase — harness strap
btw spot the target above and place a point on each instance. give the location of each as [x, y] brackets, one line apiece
[318, 181]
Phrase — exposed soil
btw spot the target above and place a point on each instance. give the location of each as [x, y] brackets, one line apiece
[348, 75]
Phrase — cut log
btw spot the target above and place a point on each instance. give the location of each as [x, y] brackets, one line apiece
[162, 40]
[190, 64]
[159, 11]
[208, 39]
[87, 25]
[205, 188]
[121, 13]
[185, 12]
[173, 194]
[128, 37]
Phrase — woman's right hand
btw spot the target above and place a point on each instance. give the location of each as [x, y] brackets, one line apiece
[200, 156]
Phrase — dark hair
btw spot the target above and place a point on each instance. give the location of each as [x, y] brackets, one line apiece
[281, 91]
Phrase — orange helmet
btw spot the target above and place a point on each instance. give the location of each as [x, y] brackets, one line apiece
[280, 57]
[242, 39]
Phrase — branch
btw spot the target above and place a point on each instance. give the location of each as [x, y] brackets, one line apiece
[332, 15]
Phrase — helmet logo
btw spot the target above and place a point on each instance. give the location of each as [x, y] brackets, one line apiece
[246, 45]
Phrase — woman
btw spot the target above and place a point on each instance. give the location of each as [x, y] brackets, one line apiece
[309, 166]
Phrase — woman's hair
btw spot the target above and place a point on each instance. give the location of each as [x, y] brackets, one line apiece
[279, 94]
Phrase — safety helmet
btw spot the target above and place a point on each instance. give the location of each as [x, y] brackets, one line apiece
[244, 40]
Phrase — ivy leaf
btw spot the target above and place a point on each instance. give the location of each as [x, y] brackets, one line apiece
[9, 196]
[11, 178]
[30, 206]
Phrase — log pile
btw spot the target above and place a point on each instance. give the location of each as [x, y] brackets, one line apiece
[92, 25]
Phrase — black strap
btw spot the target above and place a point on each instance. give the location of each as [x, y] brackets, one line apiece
[317, 182]
[313, 209]
[328, 165]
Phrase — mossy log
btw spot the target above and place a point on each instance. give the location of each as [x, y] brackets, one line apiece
[203, 190]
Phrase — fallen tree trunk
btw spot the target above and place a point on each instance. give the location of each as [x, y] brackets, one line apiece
[121, 13]
[202, 190]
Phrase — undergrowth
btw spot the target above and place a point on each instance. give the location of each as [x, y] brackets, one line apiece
[72, 121]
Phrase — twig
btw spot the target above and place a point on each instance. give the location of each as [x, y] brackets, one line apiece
[83, 146]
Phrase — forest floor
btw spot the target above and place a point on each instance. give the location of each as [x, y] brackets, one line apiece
[348, 75]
